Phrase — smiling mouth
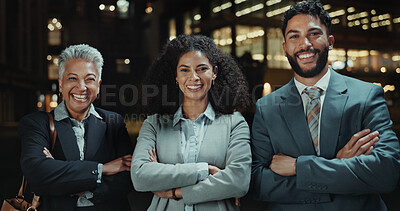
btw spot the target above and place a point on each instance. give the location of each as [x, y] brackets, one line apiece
[306, 55]
[194, 87]
[81, 98]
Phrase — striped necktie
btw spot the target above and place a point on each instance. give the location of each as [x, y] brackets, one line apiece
[313, 113]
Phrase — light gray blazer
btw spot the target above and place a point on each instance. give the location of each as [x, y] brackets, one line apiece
[225, 145]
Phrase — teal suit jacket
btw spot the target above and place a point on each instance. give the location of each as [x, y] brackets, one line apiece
[324, 182]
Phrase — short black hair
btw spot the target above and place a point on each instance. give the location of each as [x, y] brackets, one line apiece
[229, 92]
[309, 7]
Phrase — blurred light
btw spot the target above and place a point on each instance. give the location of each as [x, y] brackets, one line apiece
[58, 25]
[39, 104]
[102, 6]
[364, 21]
[335, 21]
[53, 104]
[396, 20]
[398, 70]
[267, 89]
[373, 12]
[389, 88]
[327, 7]
[54, 20]
[335, 13]
[278, 11]
[350, 63]
[149, 10]
[338, 65]
[172, 37]
[365, 27]
[373, 53]
[41, 97]
[249, 10]
[272, 2]
[50, 27]
[258, 57]
[197, 17]
[229, 41]
[127, 61]
[383, 69]
[222, 7]
[54, 98]
[269, 57]
[396, 58]
[48, 57]
[112, 8]
[239, 1]
[366, 69]
[55, 61]
[351, 9]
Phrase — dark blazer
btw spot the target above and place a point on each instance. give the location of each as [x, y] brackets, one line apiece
[324, 182]
[55, 180]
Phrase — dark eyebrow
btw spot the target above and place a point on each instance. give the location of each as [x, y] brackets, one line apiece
[202, 65]
[292, 31]
[72, 74]
[183, 65]
[315, 28]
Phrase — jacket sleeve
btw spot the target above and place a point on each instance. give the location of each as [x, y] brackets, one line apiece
[234, 180]
[118, 185]
[374, 173]
[265, 184]
[47, 176]
[152, 176]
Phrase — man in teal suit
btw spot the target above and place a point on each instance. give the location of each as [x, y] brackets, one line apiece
[323, 141]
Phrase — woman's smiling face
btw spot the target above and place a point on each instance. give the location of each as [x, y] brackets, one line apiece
[195, 75]
[79, 85]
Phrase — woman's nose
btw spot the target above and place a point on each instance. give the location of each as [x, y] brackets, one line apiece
[194, 75]
[81, 85]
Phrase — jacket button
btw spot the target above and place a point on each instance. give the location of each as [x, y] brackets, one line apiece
[94, 172]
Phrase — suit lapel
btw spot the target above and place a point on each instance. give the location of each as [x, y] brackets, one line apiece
[94, 134]
[67, 139]
[293, 112]
[332, 111]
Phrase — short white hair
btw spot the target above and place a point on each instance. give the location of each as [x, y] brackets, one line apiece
[81, 51]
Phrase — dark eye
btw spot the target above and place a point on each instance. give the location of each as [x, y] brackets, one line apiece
[315, 33]
[184, 70]
[91, 79]
[203, 69]
[294, 37]
[72, 78]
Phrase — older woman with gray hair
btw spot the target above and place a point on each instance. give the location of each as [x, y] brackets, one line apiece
[88, 167]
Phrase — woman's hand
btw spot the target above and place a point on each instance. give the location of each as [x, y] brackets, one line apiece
[153, 155]
[168, 194]
[213, 169]
[118, 165]
[47, 153]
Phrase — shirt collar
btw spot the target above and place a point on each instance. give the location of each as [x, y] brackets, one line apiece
[209, 113]
[322, 83]
[61, 112]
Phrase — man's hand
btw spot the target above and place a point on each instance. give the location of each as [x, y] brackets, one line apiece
[47, 153]
[360, 143]
[283, 165]
[118, 165]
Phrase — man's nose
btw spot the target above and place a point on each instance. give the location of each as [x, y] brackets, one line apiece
[305, 43]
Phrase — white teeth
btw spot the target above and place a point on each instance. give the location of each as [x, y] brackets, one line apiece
[308, 55]
[80, 97]
[194, 87]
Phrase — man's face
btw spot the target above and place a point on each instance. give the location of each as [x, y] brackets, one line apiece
[306, 45]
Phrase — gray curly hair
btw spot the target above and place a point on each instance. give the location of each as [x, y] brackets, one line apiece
[81, 51]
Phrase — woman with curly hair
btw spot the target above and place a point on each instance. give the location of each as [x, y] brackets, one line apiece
[193, 150]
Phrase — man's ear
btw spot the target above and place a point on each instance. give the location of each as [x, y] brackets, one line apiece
[331, 41]
[59, 85]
